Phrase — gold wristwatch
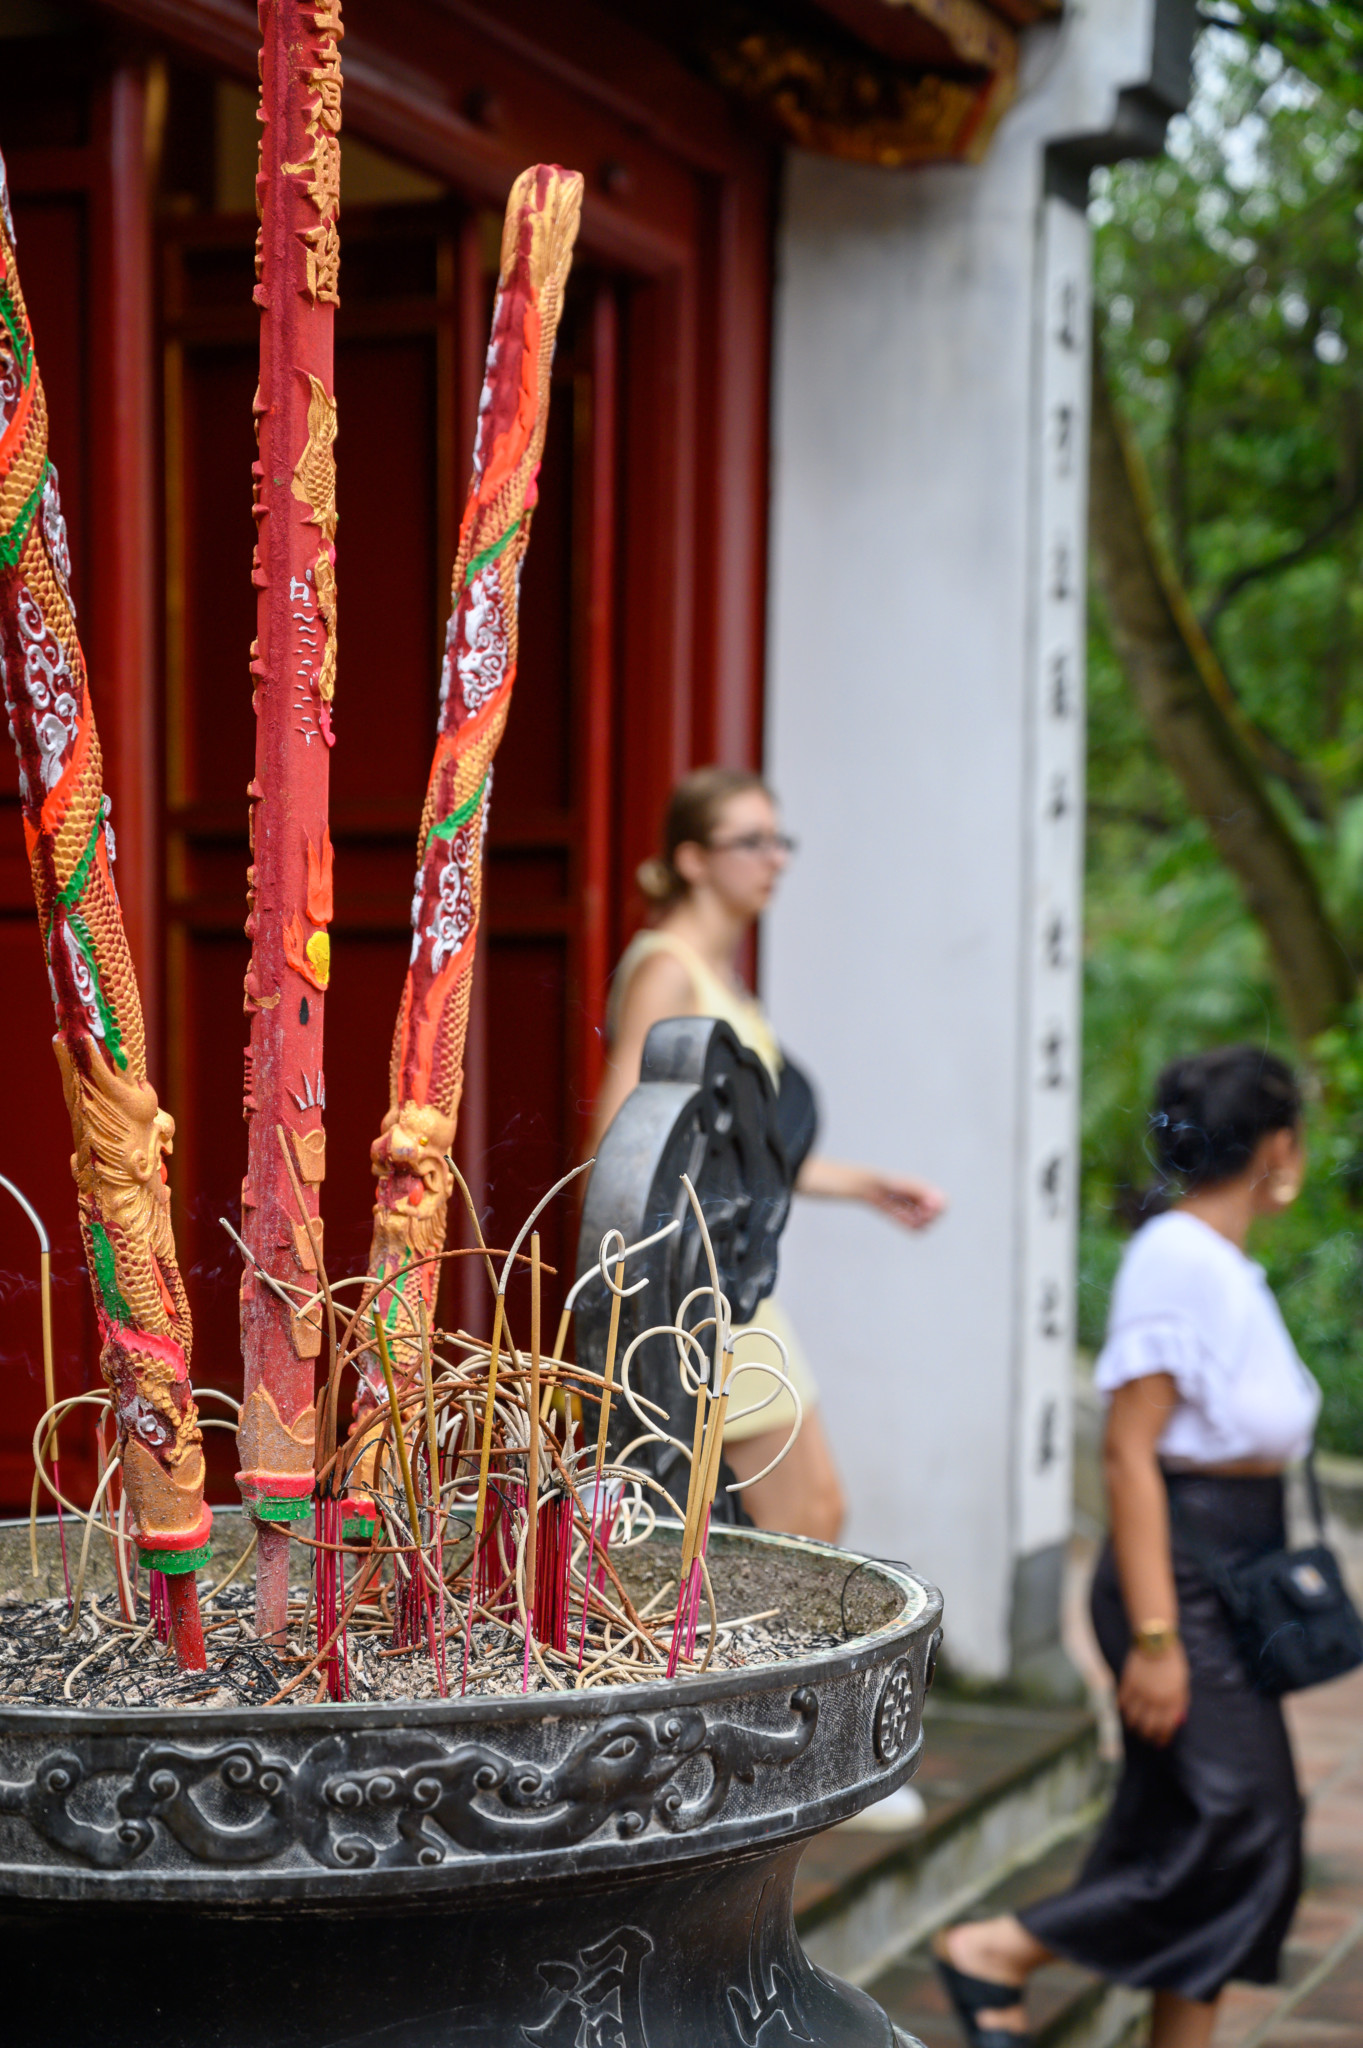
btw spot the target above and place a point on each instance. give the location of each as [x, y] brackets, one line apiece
[1153, 1638]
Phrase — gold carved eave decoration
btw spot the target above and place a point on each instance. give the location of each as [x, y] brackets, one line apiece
[825, 89]
[976, 35]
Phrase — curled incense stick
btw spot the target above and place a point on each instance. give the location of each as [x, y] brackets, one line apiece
[583, 1279]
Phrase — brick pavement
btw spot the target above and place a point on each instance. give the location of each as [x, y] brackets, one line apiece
[1320, 2000]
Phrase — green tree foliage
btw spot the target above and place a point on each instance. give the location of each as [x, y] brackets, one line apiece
[1323, 39]
[1230, 287]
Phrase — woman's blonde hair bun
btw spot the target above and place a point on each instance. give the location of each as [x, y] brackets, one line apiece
[657, 880]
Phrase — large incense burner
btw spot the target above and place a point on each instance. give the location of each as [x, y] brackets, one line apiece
[608, 1869]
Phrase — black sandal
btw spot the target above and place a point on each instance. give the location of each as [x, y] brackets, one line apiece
[971, 1995]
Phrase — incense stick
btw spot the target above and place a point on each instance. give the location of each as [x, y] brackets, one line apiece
[484, 1462]
[433, 1475]
[612, 1338]
[532, 1489]
[695, 1487]
[537, 1489]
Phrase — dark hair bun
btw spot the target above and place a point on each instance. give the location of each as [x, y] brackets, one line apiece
[1212, 1110]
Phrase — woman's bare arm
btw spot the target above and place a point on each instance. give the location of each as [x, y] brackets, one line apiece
[914, 1203]
[659, 987]
[1153, 1693]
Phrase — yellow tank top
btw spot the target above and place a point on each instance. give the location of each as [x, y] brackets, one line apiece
[749, 1023]
[714, 996]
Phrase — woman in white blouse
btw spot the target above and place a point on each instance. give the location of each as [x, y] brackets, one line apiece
[1195, 1875]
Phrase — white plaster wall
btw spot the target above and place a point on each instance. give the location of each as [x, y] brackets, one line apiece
[903, 575]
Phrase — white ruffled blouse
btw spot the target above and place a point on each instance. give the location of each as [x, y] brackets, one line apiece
[1189, 1303]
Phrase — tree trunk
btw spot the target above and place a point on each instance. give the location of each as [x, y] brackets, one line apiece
[1183, 696]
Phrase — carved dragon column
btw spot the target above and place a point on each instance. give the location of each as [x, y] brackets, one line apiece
[427, 1068]
[121, 1135]
[294, 669]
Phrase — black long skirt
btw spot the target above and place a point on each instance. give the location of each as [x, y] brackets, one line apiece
[1196, 1873]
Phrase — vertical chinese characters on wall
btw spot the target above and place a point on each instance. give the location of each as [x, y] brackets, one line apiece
[1054, 884]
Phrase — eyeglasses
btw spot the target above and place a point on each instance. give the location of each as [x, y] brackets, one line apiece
[778, 844]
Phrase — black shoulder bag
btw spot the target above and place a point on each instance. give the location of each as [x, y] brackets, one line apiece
[797, 1114]
[1294, 1622]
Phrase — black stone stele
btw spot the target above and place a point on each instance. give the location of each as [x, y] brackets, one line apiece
[606, 1869]
[705, 1106]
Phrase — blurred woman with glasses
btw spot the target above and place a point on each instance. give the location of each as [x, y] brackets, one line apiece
[724, 851]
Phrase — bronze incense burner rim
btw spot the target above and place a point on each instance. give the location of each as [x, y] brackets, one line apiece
[920, 1611]
[350, 1807]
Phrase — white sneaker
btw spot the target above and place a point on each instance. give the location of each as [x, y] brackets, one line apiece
[896, 1813]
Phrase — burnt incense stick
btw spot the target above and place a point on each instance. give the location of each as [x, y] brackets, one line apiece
[603, 1426]
[399, 1439]
[714, 1439]
[704, 1394]
[485, 1451]
[532, 1485]
[484, 1464]
[715, 1434]
[463, 1188]
[433, 1477]
[688, 1549]
[499, 1324]
[432, 1435]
